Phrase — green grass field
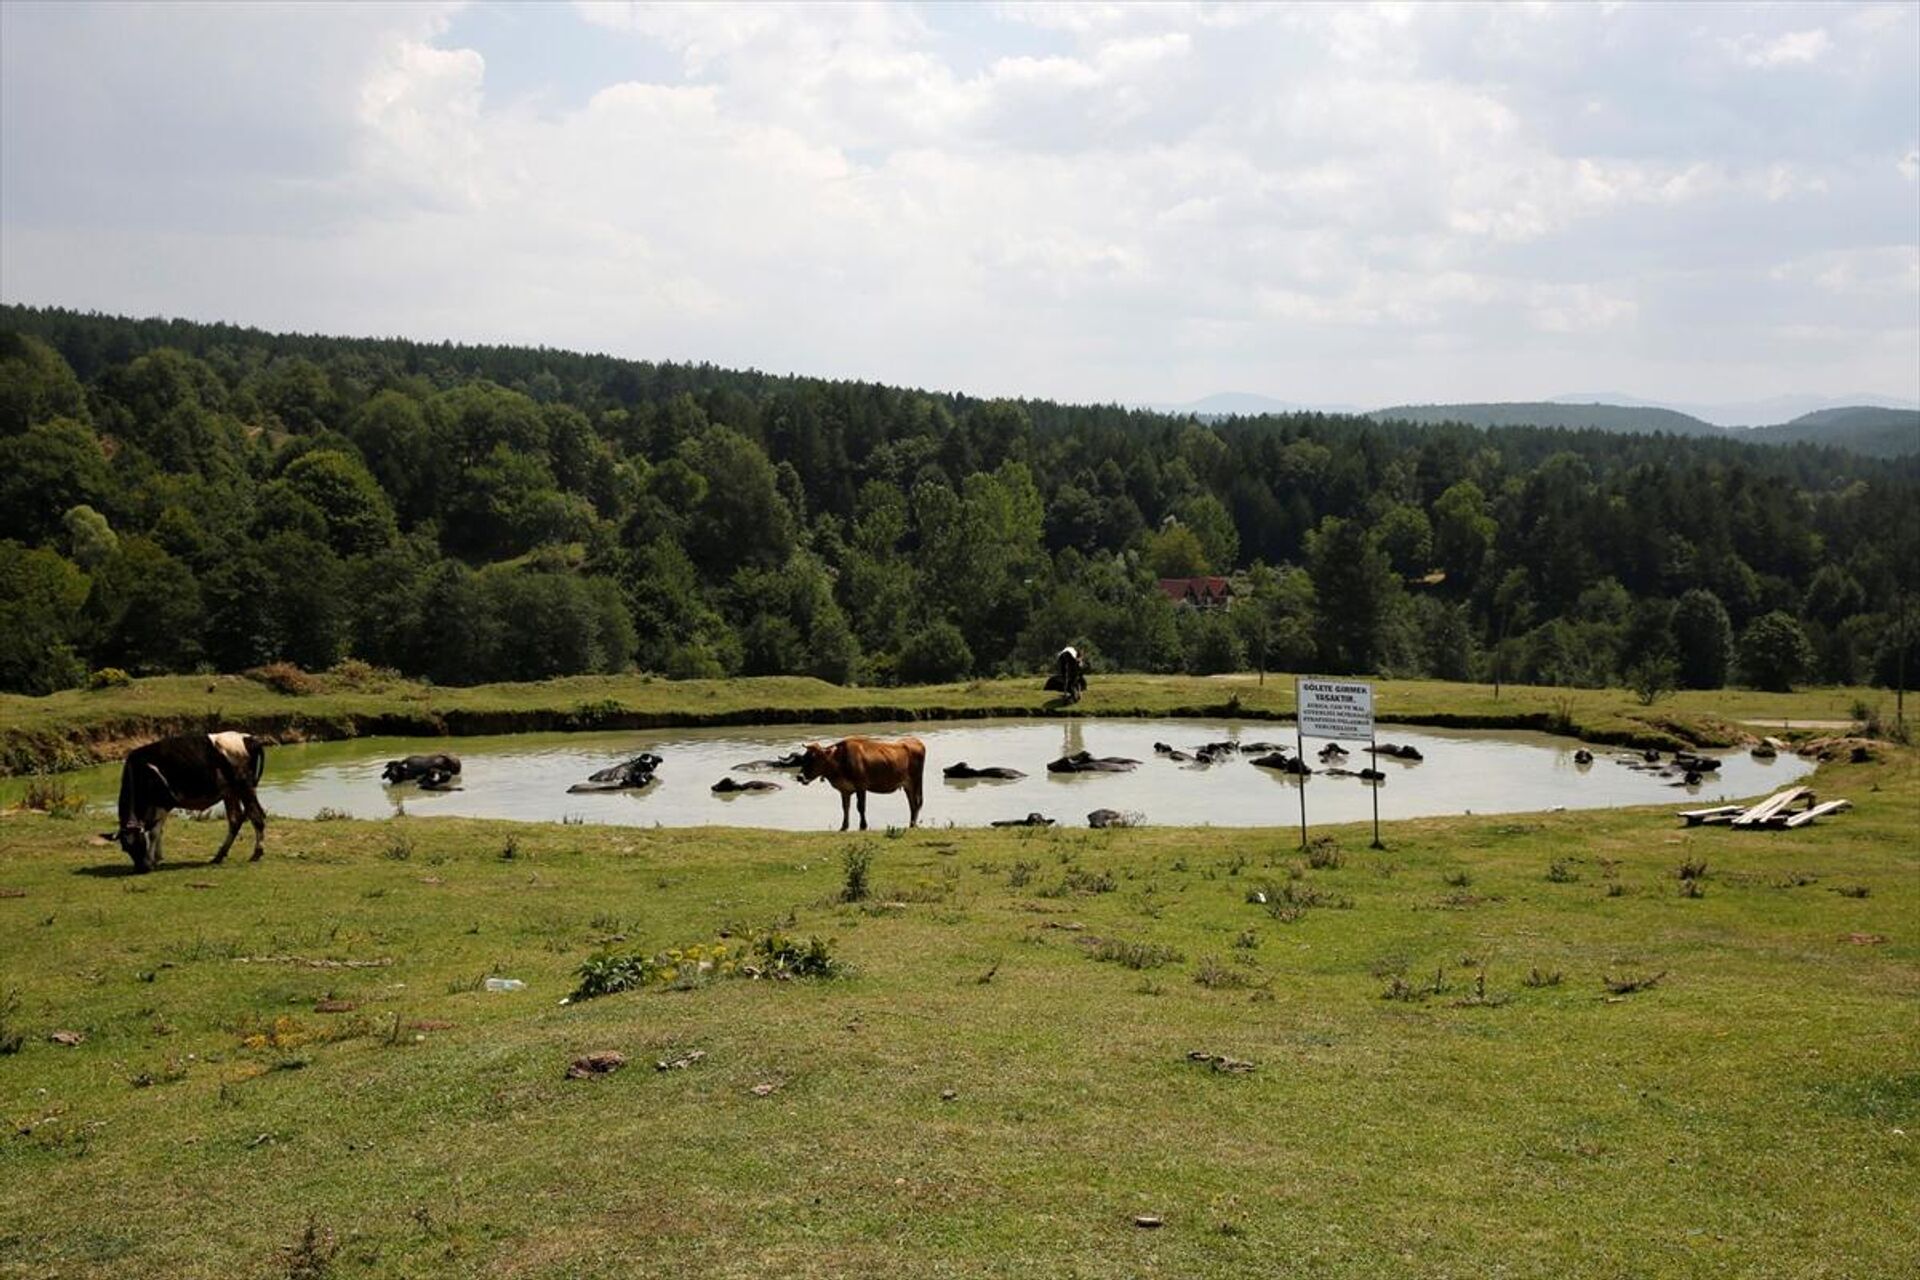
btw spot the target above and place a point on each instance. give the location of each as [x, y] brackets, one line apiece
[984, 1094]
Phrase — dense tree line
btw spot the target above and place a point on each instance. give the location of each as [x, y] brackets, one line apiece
[178, 496]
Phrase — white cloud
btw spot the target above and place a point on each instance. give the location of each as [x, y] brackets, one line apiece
[1783, 50]
[1125, 201]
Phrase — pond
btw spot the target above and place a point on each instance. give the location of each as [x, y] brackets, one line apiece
[526, 776]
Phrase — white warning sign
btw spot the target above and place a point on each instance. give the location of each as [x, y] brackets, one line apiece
[1334, 708]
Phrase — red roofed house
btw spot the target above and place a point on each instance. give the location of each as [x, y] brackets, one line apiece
[1198, 593]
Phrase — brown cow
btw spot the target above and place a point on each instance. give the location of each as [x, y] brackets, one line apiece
[855, 766]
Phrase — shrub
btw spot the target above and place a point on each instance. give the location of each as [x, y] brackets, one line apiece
[771, 954]
[49, 795]
[1775, 653]
[694, 661]
[108, 678]
[1652, 679]
[284, 677]
[357, 673]
[937, 654]
[856, 862]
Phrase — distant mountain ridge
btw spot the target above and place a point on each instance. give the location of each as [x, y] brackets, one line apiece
[1880, 431]
[1771, 410]
[1575, 417]
[1868, 429]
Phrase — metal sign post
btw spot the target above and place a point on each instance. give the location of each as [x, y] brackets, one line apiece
[1334, 709]
[1373, 753]
[1300, 753]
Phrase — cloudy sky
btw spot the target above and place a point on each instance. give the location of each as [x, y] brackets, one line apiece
[1095, 202]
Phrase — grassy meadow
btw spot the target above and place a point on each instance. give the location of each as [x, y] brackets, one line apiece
[293, 1068]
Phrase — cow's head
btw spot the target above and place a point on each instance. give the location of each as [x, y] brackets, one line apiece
[814, 762]
[136, 841]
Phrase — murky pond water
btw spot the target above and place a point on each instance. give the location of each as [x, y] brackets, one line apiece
[526, 776]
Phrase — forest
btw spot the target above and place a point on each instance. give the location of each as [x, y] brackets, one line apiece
[179, 497]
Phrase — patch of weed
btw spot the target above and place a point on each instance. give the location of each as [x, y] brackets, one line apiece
[11, 1036]
[1323, 854]
[1131, 955]
[1216, 974]
[1078, 879]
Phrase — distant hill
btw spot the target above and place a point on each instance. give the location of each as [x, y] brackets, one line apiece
[1603, 417]
[1866, 429]
[1763, 412]
[1880, 433]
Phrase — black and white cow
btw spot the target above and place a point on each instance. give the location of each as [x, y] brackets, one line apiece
[190, 771]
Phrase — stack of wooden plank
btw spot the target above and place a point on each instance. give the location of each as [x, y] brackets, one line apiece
[1773, 813]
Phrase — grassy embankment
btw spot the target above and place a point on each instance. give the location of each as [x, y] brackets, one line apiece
[75, 728]
[1755, 1112]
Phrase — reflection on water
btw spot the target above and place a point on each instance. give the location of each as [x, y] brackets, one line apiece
[526, 776]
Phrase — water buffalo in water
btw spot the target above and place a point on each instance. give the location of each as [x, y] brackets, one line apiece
[1031, 820]
[1285, 764]
[190, 771]
[629, 775]
[415, 768]
[727, 786]
[1583, 757]
[1086, 762]
[855, 766]
[792, 760]
[1397, 752]
[963, 770]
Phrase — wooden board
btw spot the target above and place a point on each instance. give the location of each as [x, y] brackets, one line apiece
[1771, 805]
[1720, 813]
[1818, 811]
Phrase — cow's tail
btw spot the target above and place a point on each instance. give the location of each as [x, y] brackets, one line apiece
[256, 758]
